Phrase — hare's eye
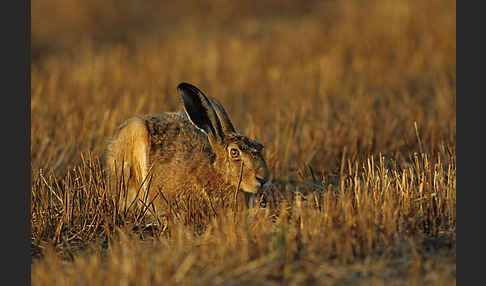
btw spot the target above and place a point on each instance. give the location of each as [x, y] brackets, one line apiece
[234, 153]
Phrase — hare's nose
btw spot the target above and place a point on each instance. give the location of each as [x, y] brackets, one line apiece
[262, 181]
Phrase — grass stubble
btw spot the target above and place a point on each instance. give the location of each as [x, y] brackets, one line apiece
[356, 106]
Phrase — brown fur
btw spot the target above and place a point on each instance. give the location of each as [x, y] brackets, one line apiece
[174, 155]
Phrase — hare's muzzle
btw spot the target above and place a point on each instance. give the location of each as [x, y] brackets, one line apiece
[264, 180]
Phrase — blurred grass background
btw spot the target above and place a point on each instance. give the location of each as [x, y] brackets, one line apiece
[353, 74]
[320, 83]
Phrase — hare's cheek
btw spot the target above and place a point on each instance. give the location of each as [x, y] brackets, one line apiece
[236, 166]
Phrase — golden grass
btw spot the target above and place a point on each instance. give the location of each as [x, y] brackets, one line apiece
[356, 106]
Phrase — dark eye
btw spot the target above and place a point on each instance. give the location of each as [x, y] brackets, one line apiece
[234, 153]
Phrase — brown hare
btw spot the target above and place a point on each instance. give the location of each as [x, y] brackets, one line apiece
[173, 153]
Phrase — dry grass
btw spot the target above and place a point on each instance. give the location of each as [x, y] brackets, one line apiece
[356, 106]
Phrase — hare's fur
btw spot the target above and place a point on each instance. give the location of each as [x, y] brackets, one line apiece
[181, 151]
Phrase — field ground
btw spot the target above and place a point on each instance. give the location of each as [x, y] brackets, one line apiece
[355, 104]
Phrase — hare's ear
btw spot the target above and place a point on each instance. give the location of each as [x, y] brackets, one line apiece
[200, 110]
[223, 117]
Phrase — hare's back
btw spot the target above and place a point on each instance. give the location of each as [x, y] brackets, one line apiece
[174, 139]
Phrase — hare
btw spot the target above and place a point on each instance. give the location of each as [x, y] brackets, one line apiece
[194, 149]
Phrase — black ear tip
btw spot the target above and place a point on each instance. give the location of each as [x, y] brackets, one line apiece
[184, 86]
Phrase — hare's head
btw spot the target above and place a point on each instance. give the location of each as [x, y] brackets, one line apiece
[238, 158]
